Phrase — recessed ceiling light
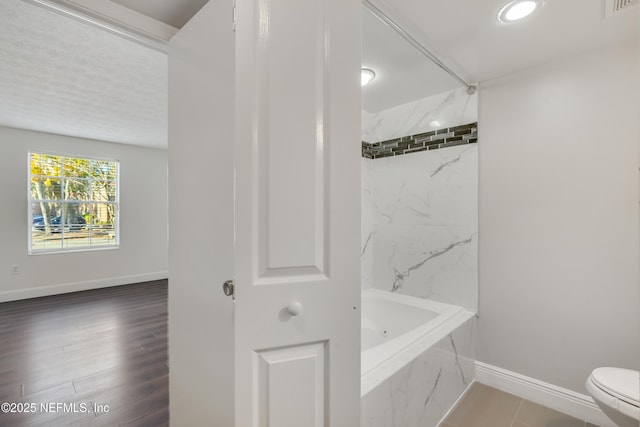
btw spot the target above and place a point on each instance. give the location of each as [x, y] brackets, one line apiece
[366, 75]
[517, 9]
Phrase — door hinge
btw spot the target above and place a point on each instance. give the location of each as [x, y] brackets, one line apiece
[228, 287]
[233, 17]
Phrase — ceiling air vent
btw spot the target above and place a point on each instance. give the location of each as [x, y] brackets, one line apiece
[614, 7]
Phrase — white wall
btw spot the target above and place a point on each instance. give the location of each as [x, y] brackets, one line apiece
[558, 215]
[143, 220]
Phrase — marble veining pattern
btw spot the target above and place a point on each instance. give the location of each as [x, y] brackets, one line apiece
[458, 364]
[422, 392]
[400, 275]
[424, 115]
[447, 163]
[423, 231]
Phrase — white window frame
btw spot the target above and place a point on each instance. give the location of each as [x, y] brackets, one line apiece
[31, 201]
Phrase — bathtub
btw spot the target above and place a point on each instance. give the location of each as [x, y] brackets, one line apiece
[398, 328]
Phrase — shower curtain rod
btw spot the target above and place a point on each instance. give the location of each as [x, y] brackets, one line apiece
[415, 43]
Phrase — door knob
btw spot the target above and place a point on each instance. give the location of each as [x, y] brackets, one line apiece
[294, 308]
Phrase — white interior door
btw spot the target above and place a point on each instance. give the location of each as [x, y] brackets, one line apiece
[297, 259]
[201, 132]
[287, 352]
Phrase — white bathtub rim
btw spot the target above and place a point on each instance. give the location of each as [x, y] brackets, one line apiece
[407, 299]
[376, 356]
[389, 367]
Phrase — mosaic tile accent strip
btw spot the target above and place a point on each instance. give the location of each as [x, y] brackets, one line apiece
[441, 138]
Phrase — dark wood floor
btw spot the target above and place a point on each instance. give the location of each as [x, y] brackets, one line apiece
[93, 358]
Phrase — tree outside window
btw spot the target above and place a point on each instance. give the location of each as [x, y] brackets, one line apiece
[73, 203]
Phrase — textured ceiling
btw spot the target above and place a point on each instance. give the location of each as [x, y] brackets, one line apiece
[62, 76]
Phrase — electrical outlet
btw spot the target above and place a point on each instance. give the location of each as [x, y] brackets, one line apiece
[15, 269]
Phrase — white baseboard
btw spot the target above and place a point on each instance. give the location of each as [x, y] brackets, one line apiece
[577, 405]
[63, 288]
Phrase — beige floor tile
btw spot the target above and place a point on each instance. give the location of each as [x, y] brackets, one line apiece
[534, 415]
[485, 407]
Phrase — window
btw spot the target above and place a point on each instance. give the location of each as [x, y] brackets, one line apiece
[73, 203]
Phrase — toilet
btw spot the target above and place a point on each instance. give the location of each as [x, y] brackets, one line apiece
[617, 393]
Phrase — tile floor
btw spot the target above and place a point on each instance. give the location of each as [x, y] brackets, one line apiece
[484, 406]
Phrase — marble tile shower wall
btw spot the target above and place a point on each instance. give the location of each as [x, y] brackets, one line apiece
[421, 393]
[419, 228]
[424, 231]
[435, 112]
